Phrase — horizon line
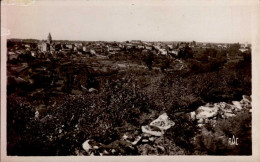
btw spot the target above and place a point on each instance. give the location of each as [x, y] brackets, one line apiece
[132, 40]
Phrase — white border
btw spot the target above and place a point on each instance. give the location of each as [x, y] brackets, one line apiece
[255, 83]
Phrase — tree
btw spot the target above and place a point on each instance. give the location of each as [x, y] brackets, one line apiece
[211, 52]
[165, 64]
[186, 52]
[148, 59]
[234, 49]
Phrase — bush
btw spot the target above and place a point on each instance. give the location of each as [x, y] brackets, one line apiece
[183, 132]
[214, 141]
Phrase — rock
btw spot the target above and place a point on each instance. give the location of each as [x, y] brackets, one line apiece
[213, 122]
[159, 141]
[147, 149]
[83, 87]
[137, 140]
[86, 146]
[209, 105]
[221, 105]
[163, 122]
[151, 139]
[37, 114]
[200, 125]
[145, 135]
[229, 114]
[227, 108]
[124, 137]
[105, 152]
[41, 111]
[206, 112]
[247, 106]
[121, 65]
[193, 115]
[200, 121]
[246, 99]
[158, 126]
[147, 129]
[162, 149]
[237, 105]
[113, 151]
[92, 90]
[78, 153]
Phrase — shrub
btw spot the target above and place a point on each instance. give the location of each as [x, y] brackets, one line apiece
[183, 132]
[214, 141]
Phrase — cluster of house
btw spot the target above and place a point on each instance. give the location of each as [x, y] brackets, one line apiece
[109, 48]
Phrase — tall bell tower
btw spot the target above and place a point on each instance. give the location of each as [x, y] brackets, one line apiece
[49, 39]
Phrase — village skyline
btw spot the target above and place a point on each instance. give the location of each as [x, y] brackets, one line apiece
[169, 41]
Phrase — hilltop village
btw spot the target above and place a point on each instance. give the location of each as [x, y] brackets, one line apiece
[33, 61]
[127, 98]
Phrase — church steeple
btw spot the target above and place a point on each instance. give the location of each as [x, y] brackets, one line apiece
[49, 39]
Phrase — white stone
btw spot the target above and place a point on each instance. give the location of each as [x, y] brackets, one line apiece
[124, 137]
[237, 104]
[60, 130]
[147, 129]
[206, 112]
[193, 115]
[161, 148]
[37, 114]
[246, 98]
[86, 146]
[92, 89]
[151, 139]
[145, 135]
[209, 105]
[222, 105]
[121, 65]
[105, 152]
[229, 115]
[228, 108]
[113, 150]
[137, 140]
[163, 122]
[200, 121]
[200, 125]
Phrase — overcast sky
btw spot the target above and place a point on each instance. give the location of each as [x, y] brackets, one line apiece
[131, 21]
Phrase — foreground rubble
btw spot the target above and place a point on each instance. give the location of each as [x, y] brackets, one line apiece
[150, 139]
[128, 144]
[211, 112]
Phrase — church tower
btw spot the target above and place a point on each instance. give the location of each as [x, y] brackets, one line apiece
[49, 39]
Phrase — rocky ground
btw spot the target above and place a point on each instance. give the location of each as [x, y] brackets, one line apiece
[150, 139]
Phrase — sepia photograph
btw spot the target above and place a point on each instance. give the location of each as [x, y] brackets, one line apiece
[126, 78]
